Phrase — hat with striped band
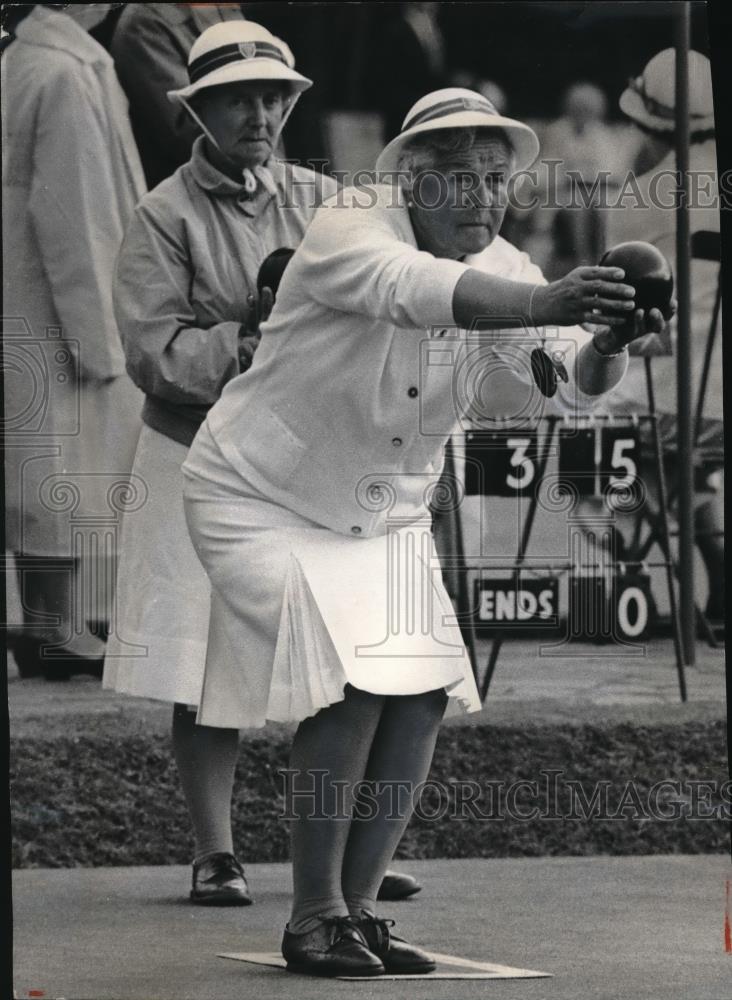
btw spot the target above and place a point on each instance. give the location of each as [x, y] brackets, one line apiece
[236, 51]
[457, 108]
[650, 99]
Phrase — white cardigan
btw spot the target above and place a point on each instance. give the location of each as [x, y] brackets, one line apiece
[345, 412]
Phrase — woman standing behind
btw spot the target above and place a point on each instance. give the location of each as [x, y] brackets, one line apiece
[185, 300]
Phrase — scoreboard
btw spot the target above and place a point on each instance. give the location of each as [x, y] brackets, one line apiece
[596, 459]
[593, 461]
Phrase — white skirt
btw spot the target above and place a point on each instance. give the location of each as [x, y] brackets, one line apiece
[298, 611]
[157, 648]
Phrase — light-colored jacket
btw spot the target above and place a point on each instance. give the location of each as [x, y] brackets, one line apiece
[355, 388]
[71, 178]
[647, 213]
[188, 262]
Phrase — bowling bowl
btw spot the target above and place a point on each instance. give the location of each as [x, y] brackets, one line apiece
[648, 271]
[272, 268]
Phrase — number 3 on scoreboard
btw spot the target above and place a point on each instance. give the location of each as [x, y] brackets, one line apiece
[520, 460]
[620, 460]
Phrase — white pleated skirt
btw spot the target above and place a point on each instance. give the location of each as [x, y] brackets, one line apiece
[299, 611]
[157, 648]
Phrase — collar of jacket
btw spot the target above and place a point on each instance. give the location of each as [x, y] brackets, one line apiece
[208, 177]
[55, 30]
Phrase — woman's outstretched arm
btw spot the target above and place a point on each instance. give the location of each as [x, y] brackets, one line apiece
[587, 294]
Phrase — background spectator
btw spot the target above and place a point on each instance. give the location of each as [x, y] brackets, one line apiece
[412, 61]
[583, 144]
[649, 103]
[68, 152]
[185, 296]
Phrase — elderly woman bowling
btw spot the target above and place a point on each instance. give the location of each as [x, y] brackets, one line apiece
[307, 491]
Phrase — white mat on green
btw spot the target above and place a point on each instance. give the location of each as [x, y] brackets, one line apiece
[458, 968]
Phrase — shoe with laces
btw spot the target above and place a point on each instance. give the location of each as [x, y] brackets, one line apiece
[219, 880]
[336, 947]
[398, 957]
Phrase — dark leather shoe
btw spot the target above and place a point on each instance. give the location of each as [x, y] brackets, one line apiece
[219, 881]
[398, 886]
[398, 957]
[335, 947]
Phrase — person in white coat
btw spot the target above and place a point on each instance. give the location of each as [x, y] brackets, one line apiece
[647, 213]
[307, 490]
[71, 179]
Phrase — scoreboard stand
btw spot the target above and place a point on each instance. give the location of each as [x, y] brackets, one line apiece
[601, 458]
[524, 540]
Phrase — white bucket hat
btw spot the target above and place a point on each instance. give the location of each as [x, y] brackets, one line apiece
[455, 107]
[235, 51]
[650, 99]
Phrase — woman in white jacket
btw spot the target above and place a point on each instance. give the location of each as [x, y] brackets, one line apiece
[307, 492]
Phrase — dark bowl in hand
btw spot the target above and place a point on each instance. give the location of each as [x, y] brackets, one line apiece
[648, 271]
[272, 268]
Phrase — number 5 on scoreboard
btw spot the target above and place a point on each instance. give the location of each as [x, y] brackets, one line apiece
[619, 457]
[621, 460]
[521, 461]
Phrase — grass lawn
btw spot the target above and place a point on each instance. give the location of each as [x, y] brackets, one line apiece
[110, 796]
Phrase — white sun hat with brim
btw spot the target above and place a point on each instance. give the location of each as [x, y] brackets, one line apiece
[456, 108]
[235, 52]
[650, 99]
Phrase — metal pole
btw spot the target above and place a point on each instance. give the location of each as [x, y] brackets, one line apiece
[462, 592]
[701, 398]
[665, 534]
[521, 554]
[683, 354]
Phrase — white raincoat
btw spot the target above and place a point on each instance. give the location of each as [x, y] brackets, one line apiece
[71, 177]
